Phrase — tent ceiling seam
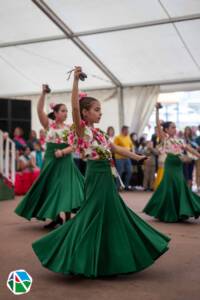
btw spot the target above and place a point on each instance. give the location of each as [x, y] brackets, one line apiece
[68, 32]
[180, 37]
[103, 30]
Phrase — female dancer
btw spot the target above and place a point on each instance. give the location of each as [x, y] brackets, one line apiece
[59, 187]
[105, 237]
[188, 165]
[173, 200]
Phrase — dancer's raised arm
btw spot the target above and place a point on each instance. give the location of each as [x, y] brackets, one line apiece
[75, 103]
[161, 133]
[40, 107]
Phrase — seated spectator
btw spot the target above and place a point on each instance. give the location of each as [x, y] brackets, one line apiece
[25, 161]
[27, 172]
[18, 139]
[32, 139]
[42, 139]
[37, 155]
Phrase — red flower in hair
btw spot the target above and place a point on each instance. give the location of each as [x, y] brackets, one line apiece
[81, 95]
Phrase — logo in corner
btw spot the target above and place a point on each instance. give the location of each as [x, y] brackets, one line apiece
[19, 282]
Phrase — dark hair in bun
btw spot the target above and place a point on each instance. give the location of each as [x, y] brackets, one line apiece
[166, 125]
[56, 108]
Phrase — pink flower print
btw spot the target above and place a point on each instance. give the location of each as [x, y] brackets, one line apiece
[94, 154]
[53, 125]
[58, 140]
[86, 145]
[176, 148]
[82, 123]
[80, 141]
[71, 138]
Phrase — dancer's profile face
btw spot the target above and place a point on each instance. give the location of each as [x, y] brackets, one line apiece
[93, 114]
[171, 130]
[61, 115]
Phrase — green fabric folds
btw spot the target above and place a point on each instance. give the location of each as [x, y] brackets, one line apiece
[59, 188]
[105, 237]
[173, 200]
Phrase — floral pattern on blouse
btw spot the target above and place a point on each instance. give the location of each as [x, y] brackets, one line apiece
[94, 144]
[57, 135]
[172, 145]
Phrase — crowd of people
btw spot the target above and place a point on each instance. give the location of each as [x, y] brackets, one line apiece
[29, 158]
[136, 175]
[146, 175]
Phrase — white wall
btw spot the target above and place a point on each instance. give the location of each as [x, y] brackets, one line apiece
[110, 112]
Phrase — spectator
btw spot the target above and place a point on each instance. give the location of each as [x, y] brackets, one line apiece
[180, 134]
[155, 138]
[149, 166]
[18, 139]
[142, 145]
[26, 163]
[32, 139]
[198, 131]
[188, 165]
[42, 139]
[197, 164]
[123, 164]
[134, 139]
[37, 155]
[27, 172]
[111, 133]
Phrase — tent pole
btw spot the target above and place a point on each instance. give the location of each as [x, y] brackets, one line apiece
[121, 106]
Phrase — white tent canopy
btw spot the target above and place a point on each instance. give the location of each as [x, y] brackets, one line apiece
[118, 43]
[140, 42]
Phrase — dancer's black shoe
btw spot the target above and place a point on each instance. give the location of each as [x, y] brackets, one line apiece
[55, 223]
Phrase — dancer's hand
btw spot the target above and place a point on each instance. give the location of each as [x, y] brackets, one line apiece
[142, 157]
[58, 153]
[45, 89]
[77, 72]
[158, 105]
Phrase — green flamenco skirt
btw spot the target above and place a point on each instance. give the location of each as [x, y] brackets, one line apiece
[173, 200]
[59, 188]
[105, 237]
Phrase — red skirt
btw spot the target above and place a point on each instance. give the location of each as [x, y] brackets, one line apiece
[24, 180]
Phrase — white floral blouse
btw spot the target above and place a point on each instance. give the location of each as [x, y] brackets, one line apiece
[172, 145]
[94, 145]
[57, 135]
